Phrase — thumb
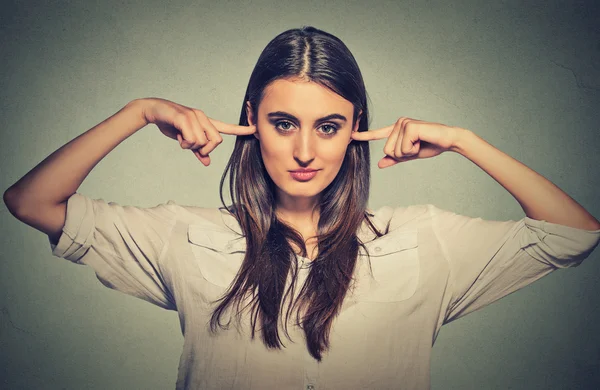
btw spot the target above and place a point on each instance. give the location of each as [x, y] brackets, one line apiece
[386, 162]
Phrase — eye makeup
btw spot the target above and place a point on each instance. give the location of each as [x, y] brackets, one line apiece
[332, 128]
[281, 119]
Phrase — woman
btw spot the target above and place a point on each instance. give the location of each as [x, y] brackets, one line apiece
[370, 289]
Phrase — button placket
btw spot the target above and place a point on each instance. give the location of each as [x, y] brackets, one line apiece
[311, 372]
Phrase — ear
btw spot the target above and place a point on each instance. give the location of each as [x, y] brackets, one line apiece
[250, 117]
[358, 118]
[356, 124]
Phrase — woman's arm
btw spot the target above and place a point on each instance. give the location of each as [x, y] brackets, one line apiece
[410, 139]
[539, 197]
[39, 198]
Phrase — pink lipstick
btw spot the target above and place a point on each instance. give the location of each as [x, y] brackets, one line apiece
[304, 174]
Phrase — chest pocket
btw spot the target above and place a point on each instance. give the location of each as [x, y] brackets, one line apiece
[395, 265]
[218, 253]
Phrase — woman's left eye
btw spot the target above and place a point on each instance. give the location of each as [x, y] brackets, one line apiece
[329, 129]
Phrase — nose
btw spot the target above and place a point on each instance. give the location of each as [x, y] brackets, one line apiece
[304, 148]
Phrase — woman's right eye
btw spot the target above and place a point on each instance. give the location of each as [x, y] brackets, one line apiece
[283, 126]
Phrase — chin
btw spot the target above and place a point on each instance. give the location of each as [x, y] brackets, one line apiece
[301, 190]
[296, 193]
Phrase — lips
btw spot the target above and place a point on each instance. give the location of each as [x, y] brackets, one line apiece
[303, 174]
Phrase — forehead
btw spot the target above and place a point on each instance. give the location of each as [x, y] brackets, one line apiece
[303, 98]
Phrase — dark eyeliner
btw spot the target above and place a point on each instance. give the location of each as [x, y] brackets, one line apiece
[276, 124]
[332, 125]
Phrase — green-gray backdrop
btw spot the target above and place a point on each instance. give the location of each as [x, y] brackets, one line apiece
[522, 75]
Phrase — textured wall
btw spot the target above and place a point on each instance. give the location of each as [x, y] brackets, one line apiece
[525, 77]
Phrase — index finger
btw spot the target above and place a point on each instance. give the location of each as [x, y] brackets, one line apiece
[371, 135]
[228, 128]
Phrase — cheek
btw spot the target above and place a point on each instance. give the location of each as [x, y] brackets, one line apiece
[273, 148]
[275, 153]
[333, 152]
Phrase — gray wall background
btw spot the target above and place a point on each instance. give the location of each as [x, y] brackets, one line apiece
[523, 75]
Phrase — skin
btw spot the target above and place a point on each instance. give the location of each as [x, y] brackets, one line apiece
[305, 142]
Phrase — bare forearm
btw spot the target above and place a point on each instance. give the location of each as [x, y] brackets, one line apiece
[540, 198]
[58, 176]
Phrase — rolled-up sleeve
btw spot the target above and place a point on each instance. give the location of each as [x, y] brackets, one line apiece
[491, 259]
[124, 245]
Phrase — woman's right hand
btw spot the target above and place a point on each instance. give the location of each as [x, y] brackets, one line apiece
[190, 126]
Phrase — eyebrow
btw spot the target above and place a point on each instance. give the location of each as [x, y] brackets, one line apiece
[291, 117]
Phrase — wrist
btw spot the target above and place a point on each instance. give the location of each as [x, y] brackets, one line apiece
[459, 138]
[139, 107]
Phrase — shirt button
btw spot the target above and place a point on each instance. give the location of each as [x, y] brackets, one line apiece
[310, 387]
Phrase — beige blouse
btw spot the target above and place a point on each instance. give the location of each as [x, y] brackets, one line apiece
[432, 267]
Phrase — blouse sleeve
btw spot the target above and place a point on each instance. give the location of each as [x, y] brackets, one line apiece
[491, 259]
[122, 244]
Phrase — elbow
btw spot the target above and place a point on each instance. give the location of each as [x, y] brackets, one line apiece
[10, 200]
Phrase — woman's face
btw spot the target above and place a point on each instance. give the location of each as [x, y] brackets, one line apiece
[302, 125]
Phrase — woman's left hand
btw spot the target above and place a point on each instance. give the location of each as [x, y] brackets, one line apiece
[410, 139]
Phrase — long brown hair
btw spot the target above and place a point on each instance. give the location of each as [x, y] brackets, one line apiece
[310, 54]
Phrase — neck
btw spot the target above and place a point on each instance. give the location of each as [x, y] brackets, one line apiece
[298, 212]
